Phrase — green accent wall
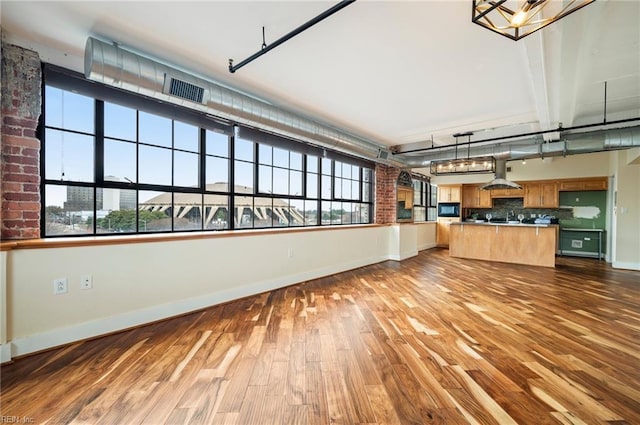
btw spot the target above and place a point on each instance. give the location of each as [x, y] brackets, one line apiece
[589, 209]
[589, 212]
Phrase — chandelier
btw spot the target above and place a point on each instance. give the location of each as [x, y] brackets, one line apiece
[517, 19]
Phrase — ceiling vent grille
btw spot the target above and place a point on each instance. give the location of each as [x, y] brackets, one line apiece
[183, 89]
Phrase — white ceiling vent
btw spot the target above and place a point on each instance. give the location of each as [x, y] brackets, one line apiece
[182, 89]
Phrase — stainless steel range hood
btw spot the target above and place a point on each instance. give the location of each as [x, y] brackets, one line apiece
[500, 181]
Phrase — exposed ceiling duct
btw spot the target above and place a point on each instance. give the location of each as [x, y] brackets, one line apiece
[112, 65]
[570, 144]
[500, 181]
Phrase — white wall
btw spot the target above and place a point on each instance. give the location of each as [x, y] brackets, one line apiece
[136, 283]
[626, 211]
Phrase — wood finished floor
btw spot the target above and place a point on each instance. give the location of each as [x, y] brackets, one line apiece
[429, 340]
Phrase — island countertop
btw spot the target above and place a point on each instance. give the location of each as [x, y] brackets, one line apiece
[473, 223]
[531, 244]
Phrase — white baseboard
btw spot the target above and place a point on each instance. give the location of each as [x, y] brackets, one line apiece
[427, 246]
[5, 353]
[403, 255]
[624, 265]
[103, 326]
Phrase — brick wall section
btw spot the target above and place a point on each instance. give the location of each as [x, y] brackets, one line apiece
[19, 147]
[385, 208]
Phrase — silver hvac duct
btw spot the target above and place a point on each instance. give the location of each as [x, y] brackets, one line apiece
[112, 65]
[571, 144]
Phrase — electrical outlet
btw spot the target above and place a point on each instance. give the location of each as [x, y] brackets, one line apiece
[86, 281]
[60, 286]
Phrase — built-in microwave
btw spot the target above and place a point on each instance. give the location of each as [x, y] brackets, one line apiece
[448, 209]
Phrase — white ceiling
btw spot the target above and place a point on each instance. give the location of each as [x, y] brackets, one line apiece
[394, 72]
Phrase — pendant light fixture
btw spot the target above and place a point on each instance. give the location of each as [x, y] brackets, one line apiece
[517, 19]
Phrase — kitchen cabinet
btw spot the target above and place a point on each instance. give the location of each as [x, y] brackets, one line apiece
[541, 195]
[449, 193]
[599, 183]
[507, 193]
[474, 197]
[442, 230]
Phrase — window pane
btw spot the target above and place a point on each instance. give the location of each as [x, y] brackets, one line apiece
[365, 217]
[419, 213]
[312, 185]
[326, 166]
[154, 130]
[336, 212]
[265, 154]
[347, 213]
[280, 213]
[68, 110]
[366, 192]
[346, 189]
[116, 211]
[216, 212]
[338, 169]
[326, 187]
[244, 149]
[119, 161]
[119, 122]
[366, 175]
[262, 212]
[68, 210]
[68, 156]
[326, 212]
[280, 181]
[355, 172]
[187, 211]
[346, 170]
[310, 213]
[312, 163]
[155, 165]
[296, 212]
[295, 183]
[217, 173]
[186, 137]
[296, 161]
[154, 211]
[217, 144]
[355, 190]
[243, 213]
[265, 179]
[337, 188]
[243, 177]
[280, 158]
[185, 169]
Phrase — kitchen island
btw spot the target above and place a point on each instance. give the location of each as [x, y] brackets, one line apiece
[531, 244]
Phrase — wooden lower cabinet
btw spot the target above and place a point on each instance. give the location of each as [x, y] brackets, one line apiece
[532, 245]
[442, 230]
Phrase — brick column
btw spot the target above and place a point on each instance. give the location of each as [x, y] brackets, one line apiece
[386, 178]
[19, 147]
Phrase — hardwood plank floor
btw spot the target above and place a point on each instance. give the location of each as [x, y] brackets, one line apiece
[430, 340]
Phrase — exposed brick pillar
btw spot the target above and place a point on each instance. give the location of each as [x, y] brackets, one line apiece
[19, 147]
[386, 178]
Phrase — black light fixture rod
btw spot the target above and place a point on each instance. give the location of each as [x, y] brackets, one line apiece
[533, 133]
[233, 68]
[605, 102]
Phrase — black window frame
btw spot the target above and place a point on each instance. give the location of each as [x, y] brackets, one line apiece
[68, 80]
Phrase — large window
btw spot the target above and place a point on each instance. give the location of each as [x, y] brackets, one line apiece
[116, 163]
[424, 199]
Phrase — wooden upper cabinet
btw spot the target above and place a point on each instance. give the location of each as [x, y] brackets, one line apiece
[541, 195]
[474, 197]
[599, 183]
[507, 193]
[449, 193]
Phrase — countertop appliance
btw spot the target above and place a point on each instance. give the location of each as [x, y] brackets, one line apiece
[449, 209]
